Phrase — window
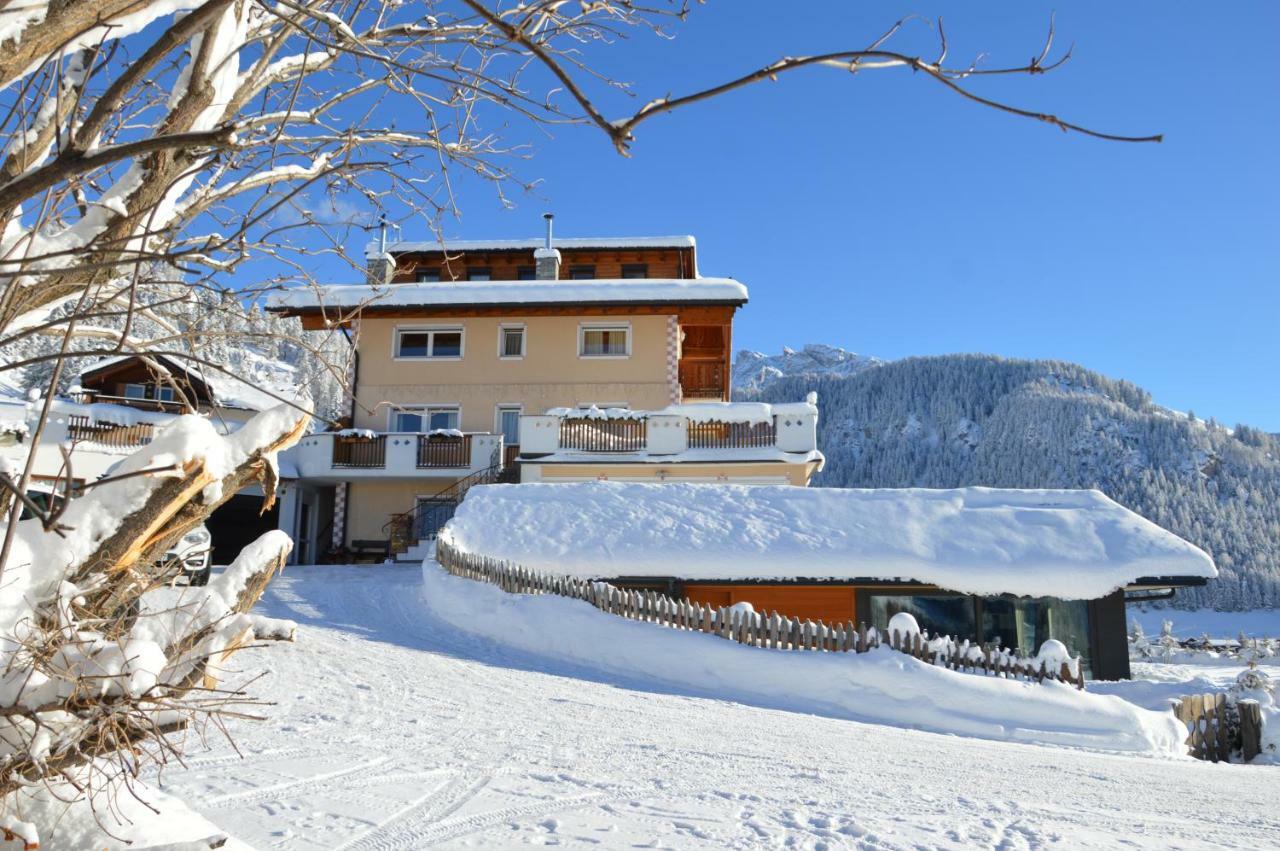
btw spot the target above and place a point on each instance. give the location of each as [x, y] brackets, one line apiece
[135, 391]
[604, 341]
[941, 614]
[526, 273]
[445, 343]
[428, 277]
[635, 270]
[582, 273]
[508, 424]
[511, 341]
[479, 273]
[165, 393]
[1024, 623]
[424, 419]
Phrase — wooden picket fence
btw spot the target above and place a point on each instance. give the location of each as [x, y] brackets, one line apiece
[755, 629]
[1217, 727]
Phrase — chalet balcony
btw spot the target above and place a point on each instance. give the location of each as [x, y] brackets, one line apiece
[701, 432]
[359, 454]
[163, 406]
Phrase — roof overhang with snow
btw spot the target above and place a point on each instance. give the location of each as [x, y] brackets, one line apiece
[603, 243]
[723, 292]
[1072, 544]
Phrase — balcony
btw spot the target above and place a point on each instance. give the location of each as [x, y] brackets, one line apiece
[164, 406]
[359, 454]
[703, 379]
[692, 432]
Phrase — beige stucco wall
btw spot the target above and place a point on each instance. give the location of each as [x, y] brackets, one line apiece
[768, 472]
[371, 504]
[550, 375]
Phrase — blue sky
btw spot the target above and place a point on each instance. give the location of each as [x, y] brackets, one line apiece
[883, 214]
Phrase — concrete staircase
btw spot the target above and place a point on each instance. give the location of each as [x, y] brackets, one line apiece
[424, 549]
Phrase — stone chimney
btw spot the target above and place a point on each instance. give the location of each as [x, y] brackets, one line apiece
[380, 268]
[379, 265]
[547, 258]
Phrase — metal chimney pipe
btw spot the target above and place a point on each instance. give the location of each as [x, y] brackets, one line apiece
[548, 217]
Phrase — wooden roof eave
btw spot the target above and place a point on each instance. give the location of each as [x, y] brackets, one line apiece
[332, 316]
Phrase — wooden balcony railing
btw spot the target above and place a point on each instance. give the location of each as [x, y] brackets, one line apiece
[598, 435]
[444, 450]
[360, 451]
[166, 406]
[510, 452]
[732, 435]
[703, 379]
[81, 428]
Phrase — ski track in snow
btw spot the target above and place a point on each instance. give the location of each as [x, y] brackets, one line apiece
[393, 732]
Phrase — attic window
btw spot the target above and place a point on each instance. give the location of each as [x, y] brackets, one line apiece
[635, 270]
[427, 277]
[135, 391]
[582, 273]
[479, 273]
[526, 273]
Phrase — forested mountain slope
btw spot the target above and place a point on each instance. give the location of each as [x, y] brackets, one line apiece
[960, 420]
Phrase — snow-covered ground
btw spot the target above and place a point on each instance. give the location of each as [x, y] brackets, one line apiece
[394, 731]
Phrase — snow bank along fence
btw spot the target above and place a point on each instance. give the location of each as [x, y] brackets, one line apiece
[1218, 726]
[754, 628]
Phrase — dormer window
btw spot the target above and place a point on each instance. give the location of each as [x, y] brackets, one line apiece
[425, 276]
[635, 270]
[526, 273]
[479, 273]
[582, 273]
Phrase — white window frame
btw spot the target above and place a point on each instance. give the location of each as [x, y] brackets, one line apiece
[584, 327]
[423, 411]
[499, 409]
[166, 393]
[432, 330]
[524, 339]
[129, 384]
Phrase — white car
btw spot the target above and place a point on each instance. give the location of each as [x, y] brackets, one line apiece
[193, 551]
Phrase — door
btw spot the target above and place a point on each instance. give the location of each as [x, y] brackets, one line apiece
[304, 533]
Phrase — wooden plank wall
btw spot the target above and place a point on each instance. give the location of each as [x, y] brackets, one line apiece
[505, 265]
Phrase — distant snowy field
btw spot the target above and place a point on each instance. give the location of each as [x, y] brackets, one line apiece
[1259, 623]
[391, 730]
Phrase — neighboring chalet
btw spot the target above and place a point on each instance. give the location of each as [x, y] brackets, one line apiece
[162, 384]
[527, 359]
[1015, 567]
[117, 406]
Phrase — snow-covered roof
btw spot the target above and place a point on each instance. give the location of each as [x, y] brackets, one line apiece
[1073, 544]
[597, 242]
[253, 393]
[517, 293]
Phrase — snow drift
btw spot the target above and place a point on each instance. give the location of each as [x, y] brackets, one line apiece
[1072, 544]
[880, 687]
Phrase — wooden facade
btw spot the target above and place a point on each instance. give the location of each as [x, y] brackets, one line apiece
[167, 391]
[515, 264]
